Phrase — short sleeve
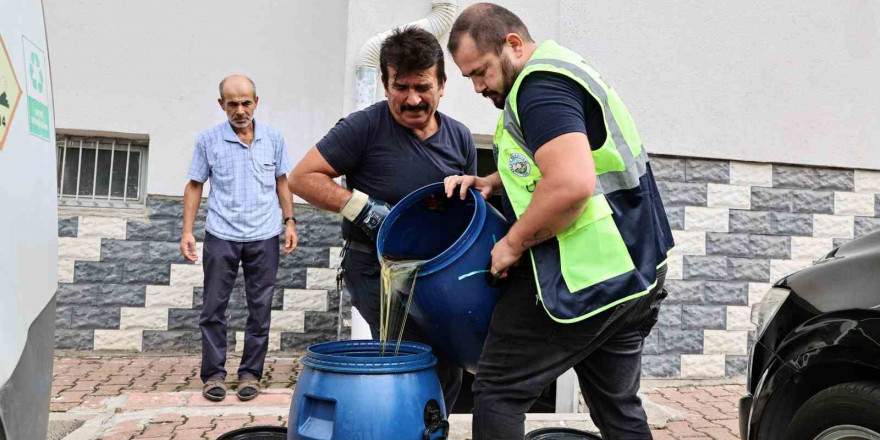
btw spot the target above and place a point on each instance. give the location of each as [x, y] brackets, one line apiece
[343, 146]
[281, 158]
[550, 105]
[198, 168]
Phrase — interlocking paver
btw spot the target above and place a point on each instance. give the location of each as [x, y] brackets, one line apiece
[266, 421]
[719, 433]
[117, 437]
[127, 427]
[197, 422]
[173, 383]
[188, 434]
[158, 430]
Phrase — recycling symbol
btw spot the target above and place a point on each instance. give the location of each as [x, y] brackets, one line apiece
[35, 72]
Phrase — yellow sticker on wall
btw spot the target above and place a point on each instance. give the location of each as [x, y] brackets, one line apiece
[10, 91]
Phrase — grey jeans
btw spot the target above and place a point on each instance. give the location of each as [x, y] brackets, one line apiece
[526, 351]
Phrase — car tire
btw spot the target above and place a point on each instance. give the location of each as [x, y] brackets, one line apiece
[852, 408]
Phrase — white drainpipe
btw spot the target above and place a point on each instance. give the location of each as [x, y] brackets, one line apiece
[437, 23]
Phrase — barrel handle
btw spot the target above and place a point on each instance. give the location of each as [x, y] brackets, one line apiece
[491, 279]
[438, 425]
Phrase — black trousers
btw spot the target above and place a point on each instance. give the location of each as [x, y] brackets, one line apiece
[362, 278]
[220, 262]
[526, 351]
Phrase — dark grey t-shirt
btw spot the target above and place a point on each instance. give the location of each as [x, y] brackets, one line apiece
[381, 158]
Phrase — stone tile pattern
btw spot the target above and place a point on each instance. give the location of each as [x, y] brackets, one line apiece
[135, 292]
[738, 228]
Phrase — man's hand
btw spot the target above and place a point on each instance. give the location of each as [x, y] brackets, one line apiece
[366, 212]
[503, 257]
[484, 185]
[290, 237]
[188, 247]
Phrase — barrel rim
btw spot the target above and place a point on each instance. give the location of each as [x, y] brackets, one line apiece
[329, 356]
[458, 247]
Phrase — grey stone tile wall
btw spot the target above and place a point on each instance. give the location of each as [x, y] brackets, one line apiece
[744, 245]
[790, 176]
[714, 171]
[745, 224]
[67, 227]
[102, 290]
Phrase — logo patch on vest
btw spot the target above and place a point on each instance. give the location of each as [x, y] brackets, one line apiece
[519, 165]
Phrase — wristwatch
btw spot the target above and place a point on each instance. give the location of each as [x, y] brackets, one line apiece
[287, 219]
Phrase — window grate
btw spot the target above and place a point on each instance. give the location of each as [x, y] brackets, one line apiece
[101, 171]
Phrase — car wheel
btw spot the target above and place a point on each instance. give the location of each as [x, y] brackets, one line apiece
[849, 411]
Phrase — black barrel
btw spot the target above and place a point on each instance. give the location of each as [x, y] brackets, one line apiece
[560, 434]
[256, 433]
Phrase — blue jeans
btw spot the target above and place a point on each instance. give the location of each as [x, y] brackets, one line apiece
[526, 351]
[220, 262]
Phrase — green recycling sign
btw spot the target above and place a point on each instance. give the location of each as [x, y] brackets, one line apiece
[37, 95]
[35, 71]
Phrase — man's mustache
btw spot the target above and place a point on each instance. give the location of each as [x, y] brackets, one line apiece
[413, 108]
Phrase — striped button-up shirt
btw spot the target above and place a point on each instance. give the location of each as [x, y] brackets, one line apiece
[242, 203]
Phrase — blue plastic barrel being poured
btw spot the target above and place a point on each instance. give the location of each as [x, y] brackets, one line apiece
[348, 391]
[453, 297]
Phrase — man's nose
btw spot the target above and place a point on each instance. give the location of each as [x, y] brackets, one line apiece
[413, 98]
[479, 86]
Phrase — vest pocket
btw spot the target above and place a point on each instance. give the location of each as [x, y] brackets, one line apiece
[592, 250]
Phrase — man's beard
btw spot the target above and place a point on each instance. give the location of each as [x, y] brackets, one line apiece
[509, 73]
[238, 124]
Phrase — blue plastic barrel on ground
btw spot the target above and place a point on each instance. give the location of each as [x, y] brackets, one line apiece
[453, 300]
[346, 391]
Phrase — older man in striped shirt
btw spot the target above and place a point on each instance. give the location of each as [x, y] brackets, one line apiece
[247, 163]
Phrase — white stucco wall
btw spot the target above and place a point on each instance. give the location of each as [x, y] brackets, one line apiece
[152, 67]
[787, 81]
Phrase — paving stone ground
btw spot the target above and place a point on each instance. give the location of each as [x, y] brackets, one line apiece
[159, 397]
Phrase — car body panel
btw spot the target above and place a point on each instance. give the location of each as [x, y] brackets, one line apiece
[826, 332]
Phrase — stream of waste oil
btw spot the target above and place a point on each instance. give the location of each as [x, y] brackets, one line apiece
[398, 289]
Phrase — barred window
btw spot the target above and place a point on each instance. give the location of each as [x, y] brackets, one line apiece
[101, 171]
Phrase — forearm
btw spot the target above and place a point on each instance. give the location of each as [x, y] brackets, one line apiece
[495, 180]
[192, 196]
[554, 207]
[285, 198]
[320, 190]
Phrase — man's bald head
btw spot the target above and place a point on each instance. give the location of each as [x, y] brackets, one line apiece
[238, 83]
[238, 98]
[488, 24]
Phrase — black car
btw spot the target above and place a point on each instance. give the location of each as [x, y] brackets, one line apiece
[814, 371]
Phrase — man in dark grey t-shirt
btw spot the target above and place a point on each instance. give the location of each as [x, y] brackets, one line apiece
[385, 152]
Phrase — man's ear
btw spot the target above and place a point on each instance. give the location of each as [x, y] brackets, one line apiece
[516, 44]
